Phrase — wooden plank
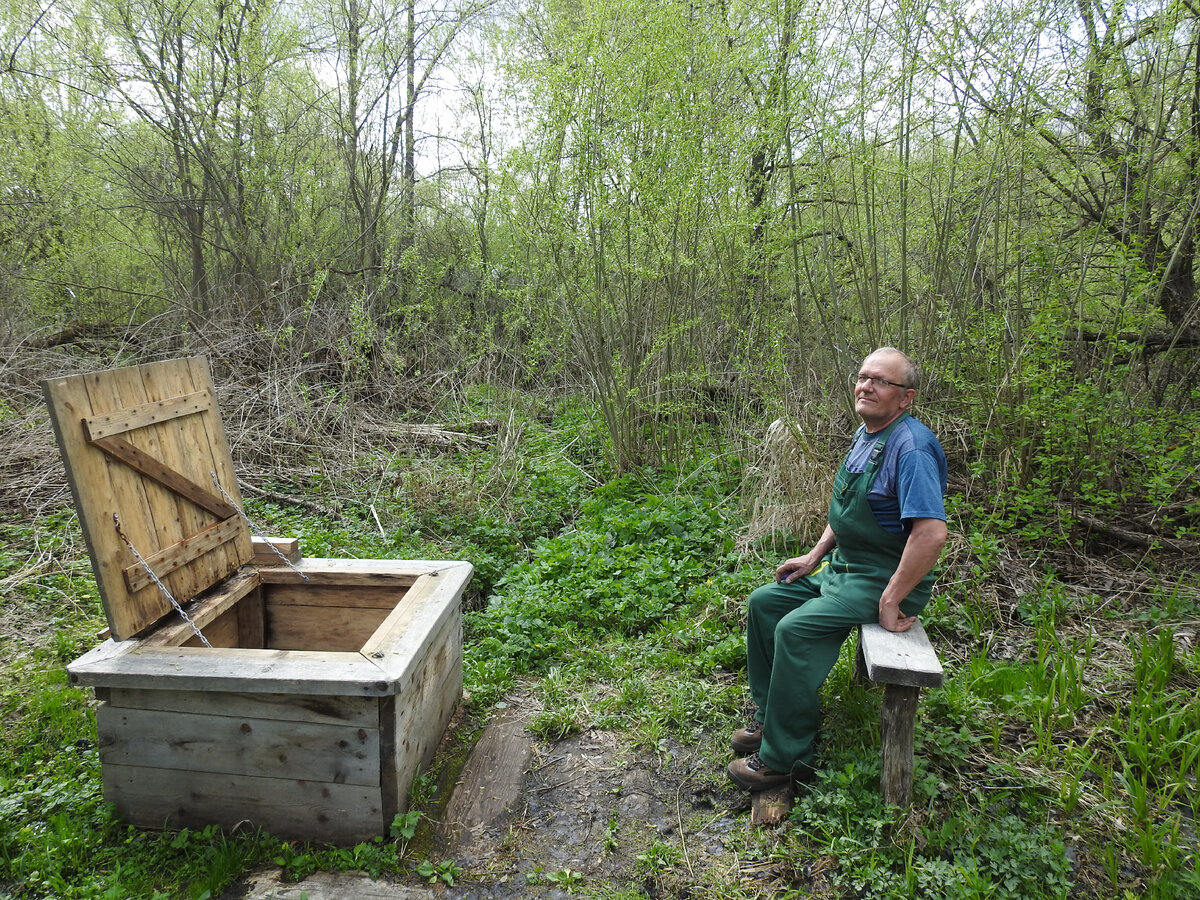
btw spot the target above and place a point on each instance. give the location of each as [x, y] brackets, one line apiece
[770, 807]
[152, 516]
[418, 733]
[897, 715]
[426, 696]
[432, 601]
[222, 632]
[158, 517]
[236, 670]
[236, 745]
[900, 658]
[171, 559]
[438, 663]
[186, 447]
[252, 622]
[115, 423]
[147, 465]
[103, 655]
[393, 799]
[368, 596]
[489, 788]
[219, 460]
[272, 884]
[95, 498]
[354, 572]
[287, 807]
[345, 712]
[203, 611]
[307, 627]
[202, 444]
[183, 445]
[265, 556]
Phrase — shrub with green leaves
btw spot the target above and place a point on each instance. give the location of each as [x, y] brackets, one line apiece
[972, 852]
[630, 558]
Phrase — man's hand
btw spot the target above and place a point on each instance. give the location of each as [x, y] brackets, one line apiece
[890, 618]
[926, 538]
[796, 567]
[799, 566]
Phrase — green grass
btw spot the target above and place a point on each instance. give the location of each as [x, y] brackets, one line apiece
[1058, 760]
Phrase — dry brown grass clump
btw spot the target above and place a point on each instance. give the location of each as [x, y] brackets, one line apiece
[291, 415]
[791, 481]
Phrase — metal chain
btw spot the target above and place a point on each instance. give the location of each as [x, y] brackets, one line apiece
[257, 533]
[162, 587]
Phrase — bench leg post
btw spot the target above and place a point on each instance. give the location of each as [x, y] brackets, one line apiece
[896, 718]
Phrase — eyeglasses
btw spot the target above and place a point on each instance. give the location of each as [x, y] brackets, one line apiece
[859, 379]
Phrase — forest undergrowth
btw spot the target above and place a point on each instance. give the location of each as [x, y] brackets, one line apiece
[1059, 759]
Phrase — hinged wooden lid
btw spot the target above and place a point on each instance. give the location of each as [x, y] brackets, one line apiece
[143, 444]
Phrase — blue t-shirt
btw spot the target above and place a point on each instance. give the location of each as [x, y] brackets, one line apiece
[911, 480]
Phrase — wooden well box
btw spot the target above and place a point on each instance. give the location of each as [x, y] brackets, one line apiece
[308, 695]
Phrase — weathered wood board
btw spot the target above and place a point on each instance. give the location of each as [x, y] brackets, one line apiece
[903, 662]
[905, 657]
[236, 745]
[345, 712]
[287, 807]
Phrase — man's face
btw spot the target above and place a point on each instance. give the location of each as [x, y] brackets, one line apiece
[879, 404]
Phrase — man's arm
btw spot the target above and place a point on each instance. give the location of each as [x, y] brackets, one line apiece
[799, 566]
[925, 541]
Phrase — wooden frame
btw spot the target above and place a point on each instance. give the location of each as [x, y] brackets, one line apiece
[141, 446]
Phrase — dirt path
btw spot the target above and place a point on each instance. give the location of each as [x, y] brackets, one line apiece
[533, 820]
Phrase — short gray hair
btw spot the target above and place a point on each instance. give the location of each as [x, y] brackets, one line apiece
[912, 372]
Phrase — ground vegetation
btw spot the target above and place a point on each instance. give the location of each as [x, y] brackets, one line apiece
[1058, 760]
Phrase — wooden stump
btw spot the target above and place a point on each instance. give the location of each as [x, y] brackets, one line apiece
[770, 807]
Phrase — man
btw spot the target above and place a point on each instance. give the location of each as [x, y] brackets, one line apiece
[874, 562]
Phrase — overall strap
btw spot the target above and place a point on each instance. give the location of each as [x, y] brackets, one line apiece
[880, 442]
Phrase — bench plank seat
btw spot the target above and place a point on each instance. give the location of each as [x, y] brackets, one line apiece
[905, 658]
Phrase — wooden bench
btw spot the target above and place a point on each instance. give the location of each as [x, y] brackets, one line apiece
[903, 663]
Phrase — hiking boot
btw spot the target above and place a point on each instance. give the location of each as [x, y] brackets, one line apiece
[746, 740]
[753, 774]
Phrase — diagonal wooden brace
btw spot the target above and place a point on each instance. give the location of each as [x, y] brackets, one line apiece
[147, 465]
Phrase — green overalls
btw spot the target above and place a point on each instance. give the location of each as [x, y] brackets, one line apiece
[795, 631]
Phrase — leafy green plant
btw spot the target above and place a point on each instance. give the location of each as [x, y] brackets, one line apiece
[423, 789]
[611, 840]
[296, 861]
[556, 723]
[659, 858]
[566, 878]
[404, 825]
[626, 564]
[447, 871]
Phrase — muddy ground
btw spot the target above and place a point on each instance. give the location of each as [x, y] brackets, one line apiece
[528, 819]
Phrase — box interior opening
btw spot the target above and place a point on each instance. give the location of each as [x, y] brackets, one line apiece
[330, 618]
